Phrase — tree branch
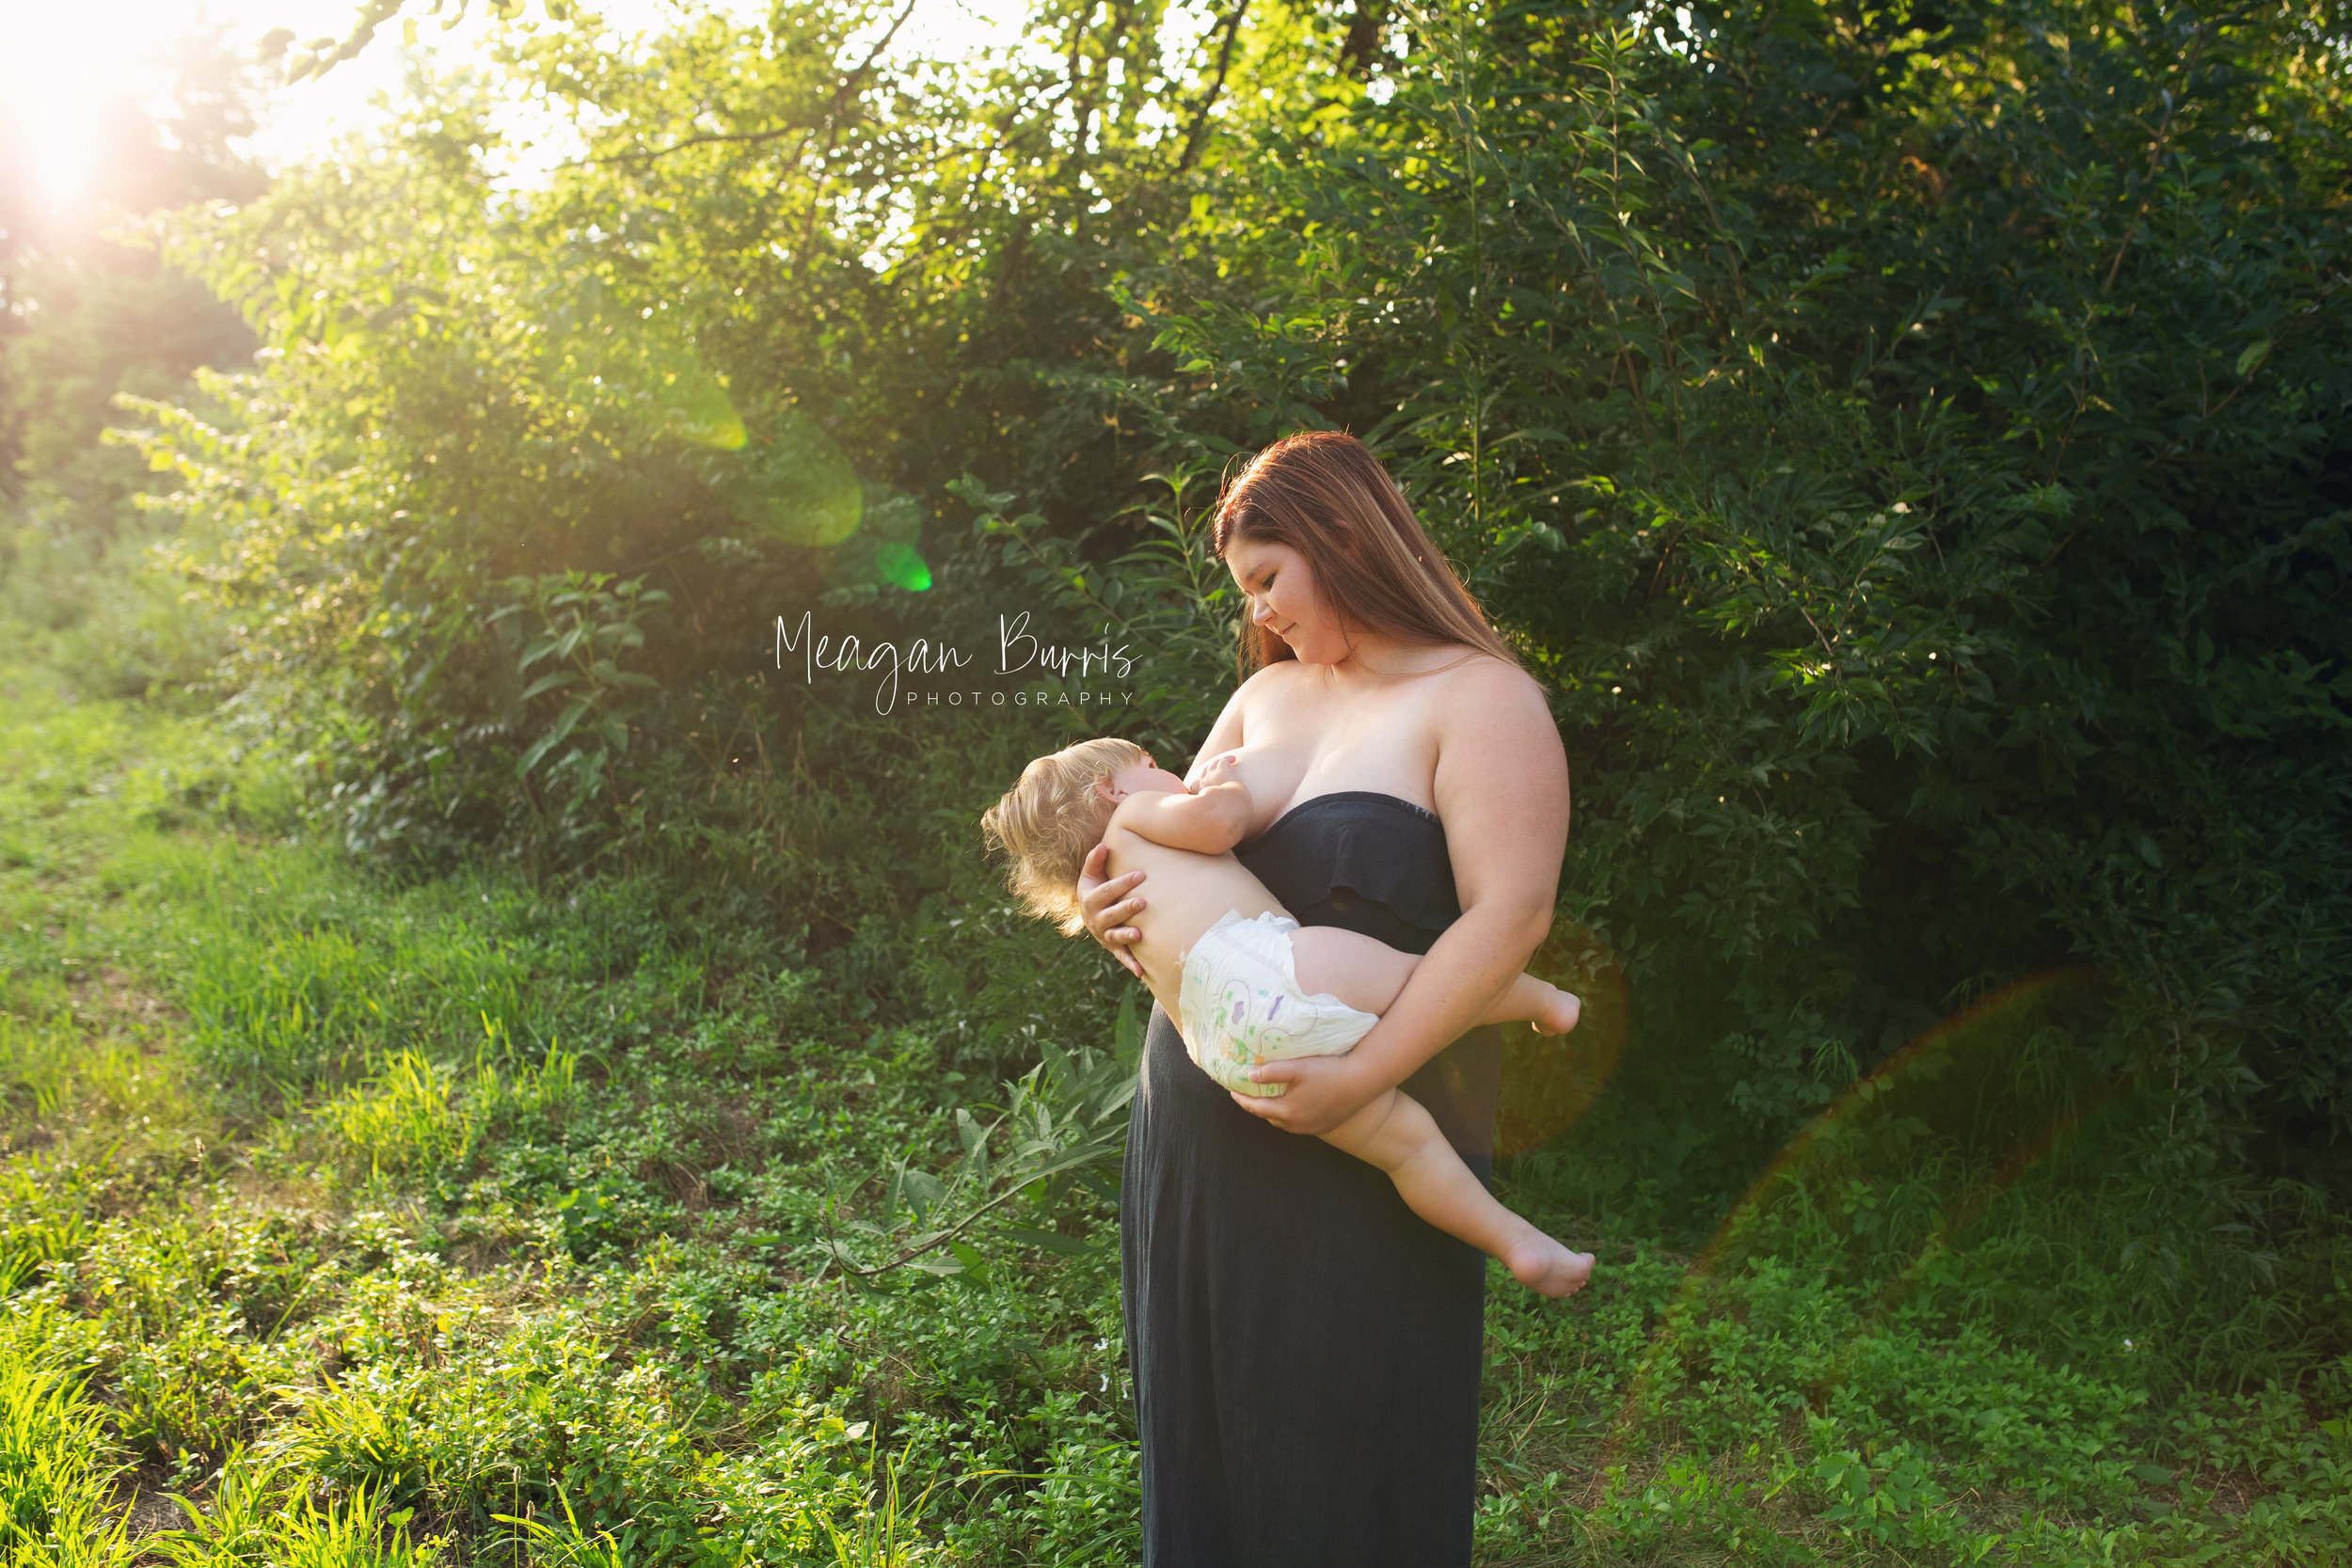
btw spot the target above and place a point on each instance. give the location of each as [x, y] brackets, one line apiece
[849, 85]
[1216, 88]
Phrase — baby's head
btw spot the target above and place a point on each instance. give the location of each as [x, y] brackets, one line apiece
[1051, 821]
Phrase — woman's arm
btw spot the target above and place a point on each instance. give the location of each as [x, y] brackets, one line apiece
[1501, 789]
[1106, 907]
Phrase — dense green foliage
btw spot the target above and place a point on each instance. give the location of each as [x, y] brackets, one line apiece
[1904, 444]
[1934, 418]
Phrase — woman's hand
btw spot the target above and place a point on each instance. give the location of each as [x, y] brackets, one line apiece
[1105, 906]
[1319, 1093]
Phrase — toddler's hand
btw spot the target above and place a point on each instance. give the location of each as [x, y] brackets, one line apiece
[1222, 770]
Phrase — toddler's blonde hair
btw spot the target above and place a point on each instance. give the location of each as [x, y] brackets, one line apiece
[1051, 821]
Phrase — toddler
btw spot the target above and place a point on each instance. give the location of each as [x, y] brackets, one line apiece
[1246, 982]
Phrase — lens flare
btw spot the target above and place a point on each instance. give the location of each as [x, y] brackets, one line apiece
[1918, 1086]
[1550, 1081]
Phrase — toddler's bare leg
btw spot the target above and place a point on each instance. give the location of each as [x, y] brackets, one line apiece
[1367, 974]
[1397, 1134]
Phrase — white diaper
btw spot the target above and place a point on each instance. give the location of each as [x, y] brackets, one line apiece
[1240, 1004]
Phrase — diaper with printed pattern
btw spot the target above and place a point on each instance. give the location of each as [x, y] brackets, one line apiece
[1240, 1004]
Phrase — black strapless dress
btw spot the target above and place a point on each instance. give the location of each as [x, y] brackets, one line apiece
[1306, 1349]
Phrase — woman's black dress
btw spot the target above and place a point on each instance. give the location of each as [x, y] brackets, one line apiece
[1306, 1349]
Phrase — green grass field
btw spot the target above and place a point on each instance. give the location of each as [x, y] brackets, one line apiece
[355, 1221]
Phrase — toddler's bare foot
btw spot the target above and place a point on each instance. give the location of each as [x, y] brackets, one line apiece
[1548, 1267]
[1560, 1014]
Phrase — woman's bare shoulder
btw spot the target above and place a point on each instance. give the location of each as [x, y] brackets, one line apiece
[1273, 676]
[1270, 682]
[1499, 757]
[1491, 684]
[1231, 726]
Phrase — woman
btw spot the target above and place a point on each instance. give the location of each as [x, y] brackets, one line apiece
[1306, 1351]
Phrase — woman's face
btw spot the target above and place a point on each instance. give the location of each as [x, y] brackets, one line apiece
[1281, 588]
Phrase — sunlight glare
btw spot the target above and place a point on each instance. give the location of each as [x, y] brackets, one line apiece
[62, 67]
[49, 83]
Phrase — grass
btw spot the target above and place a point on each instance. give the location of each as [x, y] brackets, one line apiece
[462, 1219]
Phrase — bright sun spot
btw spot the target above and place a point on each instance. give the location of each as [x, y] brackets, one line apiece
[49, 86]
[64, 66]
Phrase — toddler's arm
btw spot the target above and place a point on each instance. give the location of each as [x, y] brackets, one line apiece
[1209, 822]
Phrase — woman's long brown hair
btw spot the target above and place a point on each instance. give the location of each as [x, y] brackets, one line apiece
[1325, 496]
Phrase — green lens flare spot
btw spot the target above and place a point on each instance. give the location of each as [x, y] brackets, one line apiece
[899, 565]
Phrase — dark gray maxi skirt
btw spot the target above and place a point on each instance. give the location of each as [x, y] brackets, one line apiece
[1306, 1350]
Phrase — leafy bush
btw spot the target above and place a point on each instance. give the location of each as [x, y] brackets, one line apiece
[1923, 524]
[1926, 528]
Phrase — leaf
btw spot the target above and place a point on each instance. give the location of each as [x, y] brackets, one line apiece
[2254, 353]
[974, 1264]
[1127, 1029]
[1049, 1241]
[921, 1191]
[539, 749]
